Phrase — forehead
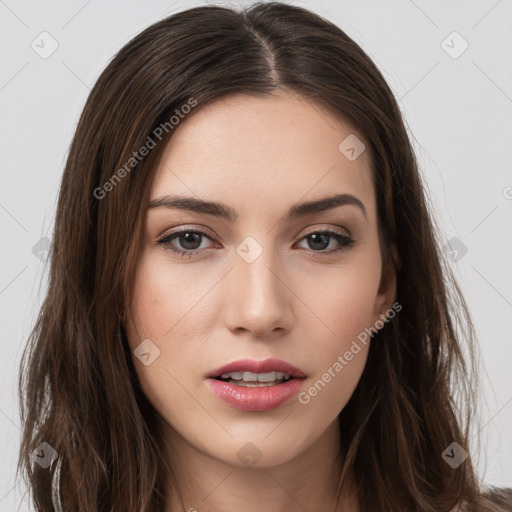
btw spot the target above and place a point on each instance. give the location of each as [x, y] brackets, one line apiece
[247, 150]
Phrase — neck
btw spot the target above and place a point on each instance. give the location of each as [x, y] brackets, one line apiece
[309, 481]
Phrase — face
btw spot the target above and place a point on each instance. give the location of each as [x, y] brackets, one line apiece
[282, 288]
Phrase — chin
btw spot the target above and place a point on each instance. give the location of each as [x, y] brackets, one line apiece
[260, 450]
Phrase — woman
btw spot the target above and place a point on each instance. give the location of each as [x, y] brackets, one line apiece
[247, 305]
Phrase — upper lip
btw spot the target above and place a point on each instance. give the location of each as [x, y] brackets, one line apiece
[251, 365]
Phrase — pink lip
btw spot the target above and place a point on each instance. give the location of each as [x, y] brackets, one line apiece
[250, 365]
[256, 399]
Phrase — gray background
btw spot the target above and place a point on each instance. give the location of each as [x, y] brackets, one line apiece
[458, 110]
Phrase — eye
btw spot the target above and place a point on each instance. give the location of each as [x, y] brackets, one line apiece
[319, 241]
[189, 241]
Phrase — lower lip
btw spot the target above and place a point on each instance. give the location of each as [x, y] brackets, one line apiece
[255, 399]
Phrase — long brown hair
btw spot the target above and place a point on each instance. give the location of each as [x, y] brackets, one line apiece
[78, 386]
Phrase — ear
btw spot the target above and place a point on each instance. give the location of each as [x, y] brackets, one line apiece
[387, 288]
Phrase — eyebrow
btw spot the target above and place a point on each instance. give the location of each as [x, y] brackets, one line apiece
[226, 212]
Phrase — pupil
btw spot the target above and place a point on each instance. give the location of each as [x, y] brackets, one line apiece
[317, 241]
[191, 238]
[315, 237]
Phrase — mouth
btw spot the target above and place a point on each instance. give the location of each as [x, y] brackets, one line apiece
[252, 373]
[255, 380]
[272, 382]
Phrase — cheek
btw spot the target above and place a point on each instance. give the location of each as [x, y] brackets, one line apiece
[154, 308]
[344, 299]
[164, 309]
[339, 357]
[346, 305]
[336, 306]
[167, 300]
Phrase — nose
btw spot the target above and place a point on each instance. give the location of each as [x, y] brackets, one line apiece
[259, 297]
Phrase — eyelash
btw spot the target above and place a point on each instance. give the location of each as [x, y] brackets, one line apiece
[344, 240]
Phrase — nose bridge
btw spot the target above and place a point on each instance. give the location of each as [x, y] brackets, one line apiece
[253, 265]
[259, 297]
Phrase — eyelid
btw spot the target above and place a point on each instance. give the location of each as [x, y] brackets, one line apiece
[203, 230]
[335, 229]
[210, 234]
[192, 228]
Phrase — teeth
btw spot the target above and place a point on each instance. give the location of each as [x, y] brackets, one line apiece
[256, 377]
[243, 384]
[233, 375]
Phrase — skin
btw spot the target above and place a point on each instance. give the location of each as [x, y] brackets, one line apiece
[260, 156]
